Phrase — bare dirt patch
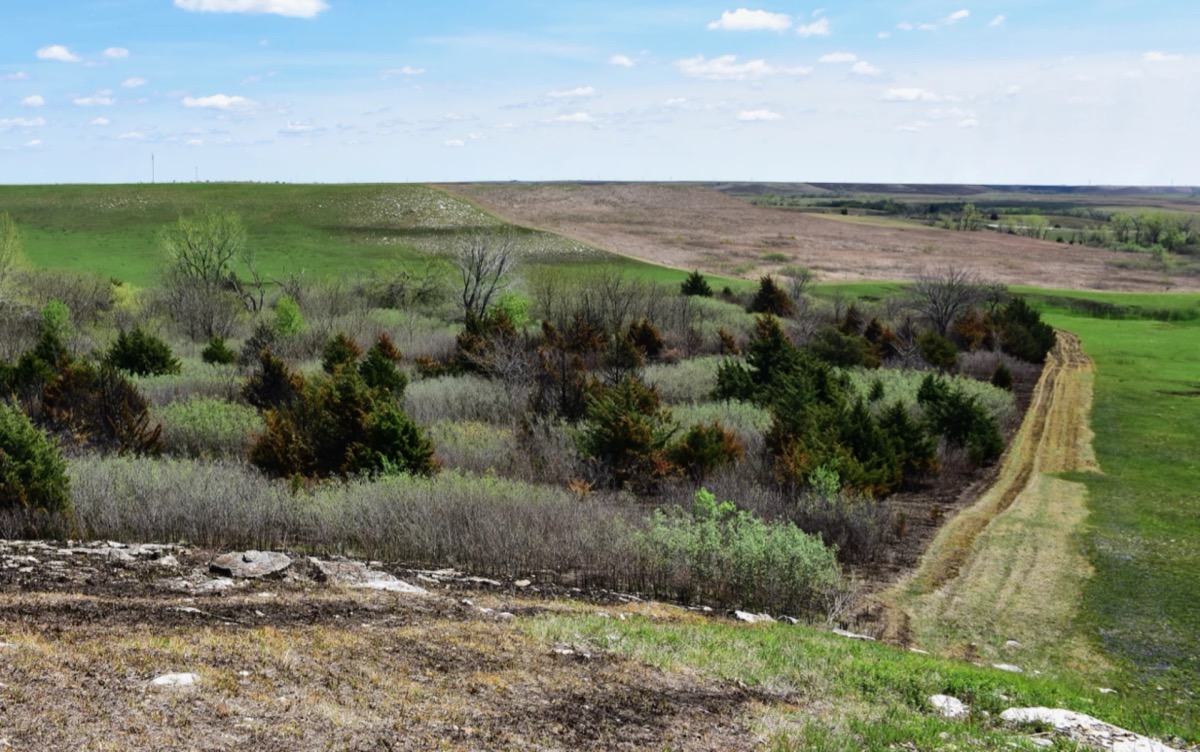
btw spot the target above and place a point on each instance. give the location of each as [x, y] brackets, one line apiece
[292, 664]
[694, 227]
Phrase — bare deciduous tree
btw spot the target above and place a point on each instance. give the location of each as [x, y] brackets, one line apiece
[485, 264]
[941, 297]
[204, 255]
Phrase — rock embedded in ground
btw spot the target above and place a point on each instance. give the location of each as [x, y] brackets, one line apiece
[1009, 668]
[358, 575]
[249, 565]
[175, 681]
[1085, 730]
[949, 707]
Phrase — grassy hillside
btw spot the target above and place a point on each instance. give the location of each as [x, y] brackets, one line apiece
[325, 230]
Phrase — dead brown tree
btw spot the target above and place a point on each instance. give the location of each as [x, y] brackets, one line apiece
[941, 297]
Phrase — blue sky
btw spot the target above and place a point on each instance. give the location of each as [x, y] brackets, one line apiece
[1004, 91]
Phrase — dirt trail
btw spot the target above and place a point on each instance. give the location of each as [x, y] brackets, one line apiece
[1009, 567]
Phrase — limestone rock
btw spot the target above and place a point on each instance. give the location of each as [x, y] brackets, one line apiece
[852, 635]
[175, 681]
[949, 707]
[358, 575]
[1086, 730]
[1009, 668]
[250, 564]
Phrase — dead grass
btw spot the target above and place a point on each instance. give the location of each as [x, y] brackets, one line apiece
[693, 227]
[1011, 567]
[367, 672]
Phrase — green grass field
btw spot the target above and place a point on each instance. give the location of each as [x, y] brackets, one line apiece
[1143, 536]
[324, 230]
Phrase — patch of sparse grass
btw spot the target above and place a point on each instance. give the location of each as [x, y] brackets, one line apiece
[850, 694]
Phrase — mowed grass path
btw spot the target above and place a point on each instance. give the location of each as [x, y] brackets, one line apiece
[324, 230]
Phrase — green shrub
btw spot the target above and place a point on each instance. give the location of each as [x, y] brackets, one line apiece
[273, 384]
[379, 370]
[1002, 377]
[961, 420]
[716, 551]
[695, 285]
[703, 449]
[771, 298]
[340, 350]
[204, 427]
[689, 381]
[626, 433]
[937, 351]
[1023, 334]
[338, 425]
[844, 350]
[32, 473]
[56, 320]
[142, 354]
[288, 319]
[216, 352]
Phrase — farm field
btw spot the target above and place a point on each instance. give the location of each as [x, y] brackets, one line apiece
[580, 596]
[694, 226]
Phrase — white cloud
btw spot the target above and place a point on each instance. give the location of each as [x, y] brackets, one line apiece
[101, 121]
[100, 99]
[997, 21]
[116, 53]
[968, 123]
[576, 93]
[59, 53]
[407, 70]
[133, 83]
[910, 94]
[5, 124]
[220, 102]
[1160, 57]
[291, 8]
[132, 136]
[744, 19]
[194, 142]
[454, 143]
[575, 117]
[727, 68]
[18, 76]
[759, 116]
[920, 125]
[949, 20]
[838, 57]
[955, 17]
[35, 100]
[818, 28]
[33, 144]
[863, 68]
[904, 26]
[883, 35]
[298, 129]
[623, 61]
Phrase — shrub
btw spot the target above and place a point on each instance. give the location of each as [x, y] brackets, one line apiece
[646, 337]
[273, 385]
[1023, 334]
[626, 433]
[142, 354]
[379, 370]
[695, 286]
[97, 406]
[937, 351]
[216, 352]
[771, 298]
[56, 320]
[704, 448]
[1002, 377]
[288, 319]
[716, 551]
[845, 350]
[460, 398]
[961, 420]
[689, 381]
[340, 350]
[32, 473]
[338, 425]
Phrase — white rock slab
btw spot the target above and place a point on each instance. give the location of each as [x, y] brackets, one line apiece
[949, 707]
[1086, 729]
[175, 681]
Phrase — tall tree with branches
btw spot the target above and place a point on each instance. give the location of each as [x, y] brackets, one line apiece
[485, 261]
[941, 297]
